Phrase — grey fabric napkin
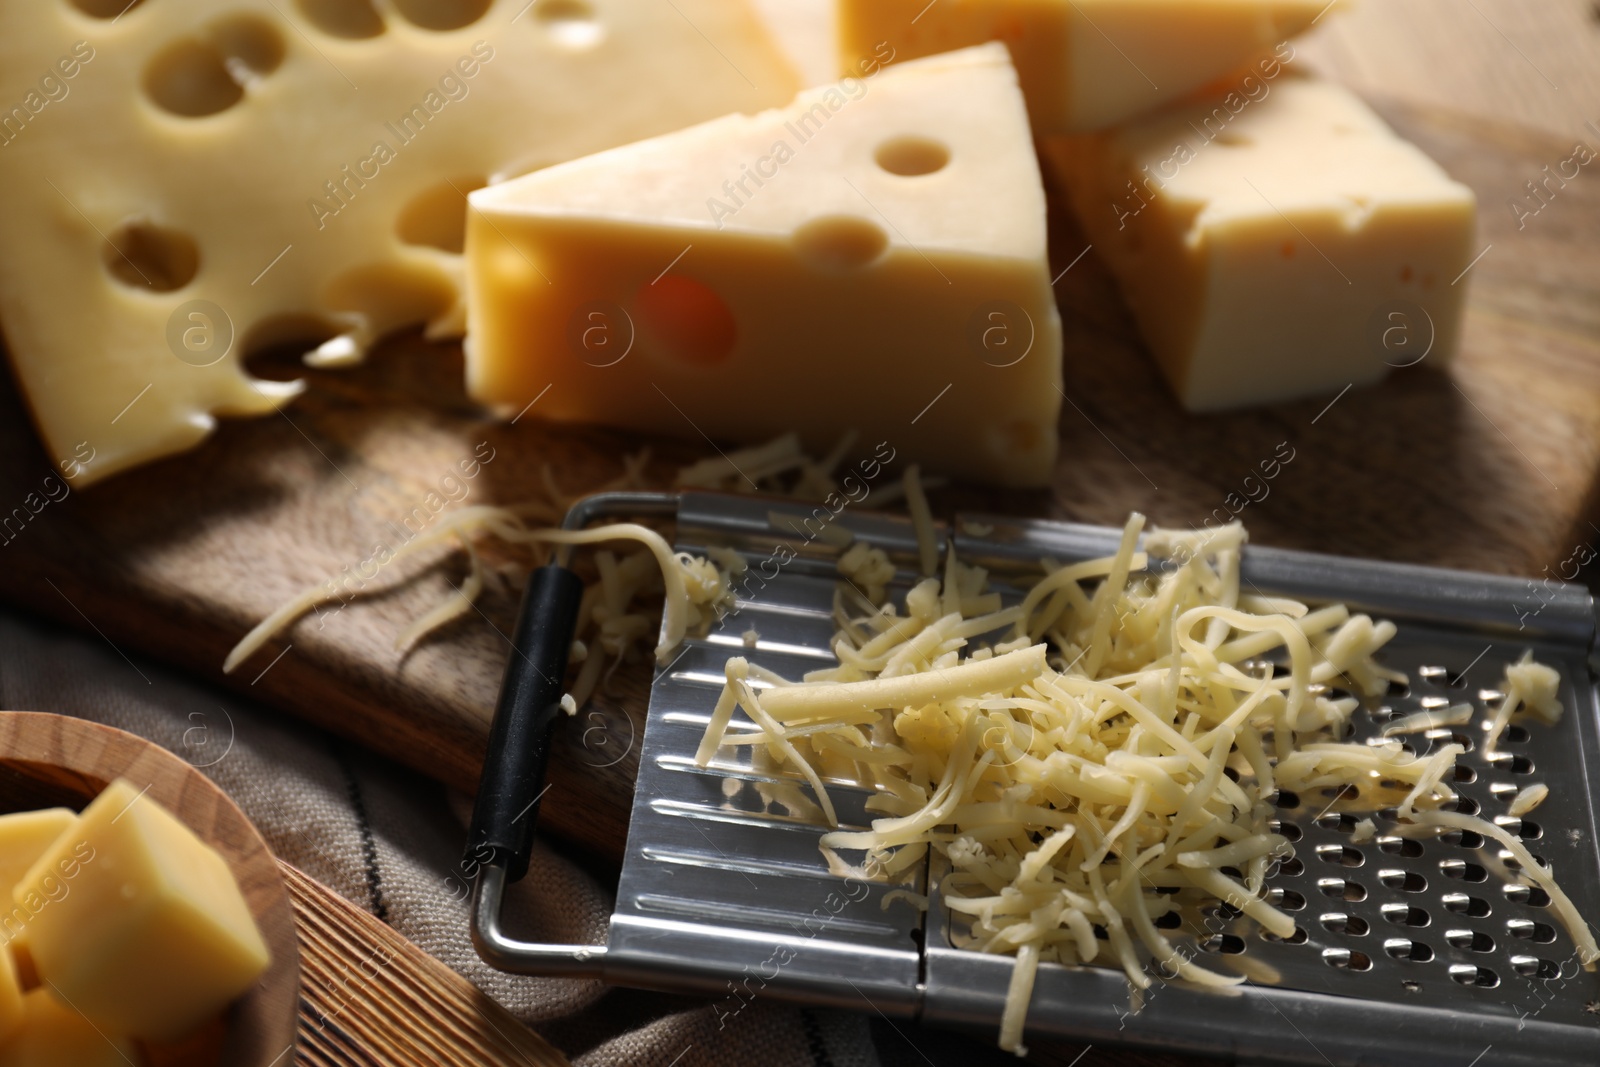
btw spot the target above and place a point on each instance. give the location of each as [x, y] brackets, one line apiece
[388, 840]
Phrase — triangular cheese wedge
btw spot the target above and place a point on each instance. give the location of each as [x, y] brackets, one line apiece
[184, 179]
[1087, 64]
[870, 259]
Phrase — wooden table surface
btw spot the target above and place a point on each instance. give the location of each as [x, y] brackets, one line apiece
[1492, 465]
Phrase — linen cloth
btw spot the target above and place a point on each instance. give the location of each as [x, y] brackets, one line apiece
[388, 840]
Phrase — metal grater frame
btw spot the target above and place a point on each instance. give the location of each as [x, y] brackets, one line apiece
[1410, 953]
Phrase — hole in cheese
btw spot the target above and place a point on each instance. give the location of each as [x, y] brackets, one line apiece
[1229, 139]
[274, 346]
[190, 78]
[442, 14]
[105, 9]
[250, 46]
[840, 242]
[570, 23]
[437, 216]
[687, 320]
[351, 19]
[910, 157]
[143, 255]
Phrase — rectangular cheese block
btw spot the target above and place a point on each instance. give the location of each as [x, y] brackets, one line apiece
[806, 32]
[870, 259]
[1086, 64]
[50, 1034]
[186, 182]
[153, 936]
[1277, 247]
[24, 837]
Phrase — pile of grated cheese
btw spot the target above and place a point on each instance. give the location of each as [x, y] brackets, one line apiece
[1102, 754]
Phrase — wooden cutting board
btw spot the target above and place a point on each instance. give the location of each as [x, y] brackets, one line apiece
[1490, 464]
[368, 996]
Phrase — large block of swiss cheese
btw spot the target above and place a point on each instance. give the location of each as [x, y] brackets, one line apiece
[184, 180]
[1277, 245]
[870, 258]
[1085, 64]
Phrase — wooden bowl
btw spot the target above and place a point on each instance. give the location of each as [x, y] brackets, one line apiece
[56, 761]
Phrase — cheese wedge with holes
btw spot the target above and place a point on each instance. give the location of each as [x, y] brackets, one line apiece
[51, 1034]
[1086, 64]
[187, 181]
[1275, 248]
[870, 259]
[149, 935]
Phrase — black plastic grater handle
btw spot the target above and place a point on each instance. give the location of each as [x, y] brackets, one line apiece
[514, 767]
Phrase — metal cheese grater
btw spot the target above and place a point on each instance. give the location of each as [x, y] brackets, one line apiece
[1407, 952]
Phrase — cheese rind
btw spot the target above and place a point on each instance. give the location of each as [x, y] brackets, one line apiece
[1085, 64]
[869, 259]
[152, 935]
[205, 178]
[1275, 248]
[51, 1034]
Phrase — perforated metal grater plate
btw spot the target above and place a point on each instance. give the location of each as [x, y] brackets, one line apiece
[1409, 952]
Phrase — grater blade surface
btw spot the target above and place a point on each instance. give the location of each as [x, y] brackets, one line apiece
[1412, 951]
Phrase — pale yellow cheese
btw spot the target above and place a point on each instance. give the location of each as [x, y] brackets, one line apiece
[187, 181]
[11, 1007]
[154, 936]
[806, 32]
[1086, 64]
[1275, 246]
[24, 836]
[869, 259]
[51, 1034]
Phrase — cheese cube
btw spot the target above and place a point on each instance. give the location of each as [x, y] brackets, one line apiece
[51, 1034]
[186, 181]
[11, 1007]
[1275, 247]
[1086, 64]
[24, 836]
[153, 935]
[870, 258]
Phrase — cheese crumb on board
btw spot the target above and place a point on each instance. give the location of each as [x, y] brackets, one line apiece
[1086, 64]
[887, 232]
[1277, 244]
[326, 152]
[1120, 729]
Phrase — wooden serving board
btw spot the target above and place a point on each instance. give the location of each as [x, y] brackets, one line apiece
[51, 761]
[1490, 464]
[369, 996]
